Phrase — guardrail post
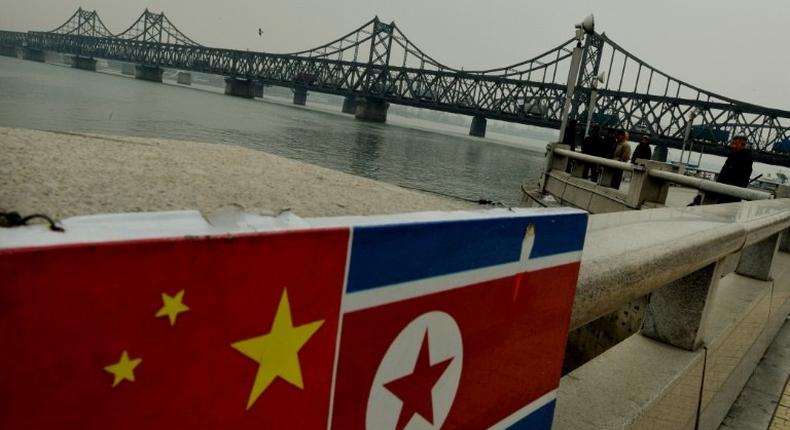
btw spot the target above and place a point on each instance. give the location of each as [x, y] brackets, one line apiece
[606, 178]
[645, 188]
[757, 259]
[676, 313]
[784, 243]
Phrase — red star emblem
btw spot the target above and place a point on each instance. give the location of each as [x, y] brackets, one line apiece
[414, 390]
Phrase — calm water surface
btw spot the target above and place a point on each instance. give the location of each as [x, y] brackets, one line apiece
[406, 152]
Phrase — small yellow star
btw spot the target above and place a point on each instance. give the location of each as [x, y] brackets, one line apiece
[173, 305]
[277, 353]
[124, 369]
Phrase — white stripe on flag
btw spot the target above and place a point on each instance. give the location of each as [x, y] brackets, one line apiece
[525, 411]
[410, 289]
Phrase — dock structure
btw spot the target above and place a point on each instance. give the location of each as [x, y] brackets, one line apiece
[717, 281]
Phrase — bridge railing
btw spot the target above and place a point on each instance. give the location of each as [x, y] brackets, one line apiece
[568, 178]
[717, 279]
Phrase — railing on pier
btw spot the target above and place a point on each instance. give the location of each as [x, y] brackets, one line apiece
[718, 280]
[649, 185]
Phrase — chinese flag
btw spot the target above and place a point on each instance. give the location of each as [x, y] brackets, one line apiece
[218, 332]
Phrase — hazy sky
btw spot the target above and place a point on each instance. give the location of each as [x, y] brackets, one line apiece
[737, 48]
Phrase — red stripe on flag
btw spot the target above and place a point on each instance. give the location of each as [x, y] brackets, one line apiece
[513, 332]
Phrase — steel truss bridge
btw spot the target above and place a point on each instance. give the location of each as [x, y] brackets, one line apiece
[377, 61]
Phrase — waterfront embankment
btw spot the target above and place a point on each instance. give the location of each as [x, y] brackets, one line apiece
[67, 174]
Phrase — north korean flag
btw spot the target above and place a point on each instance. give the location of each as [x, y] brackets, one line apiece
[211, 332]
[457, 324]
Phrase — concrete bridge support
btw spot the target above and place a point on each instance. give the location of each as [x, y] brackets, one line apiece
[350, 104]
[83, 63]
[372, 109]
[478, 127]
[8, 51]
[757, 260]
[127, 69]
[676, 313]
[184, 78]
[148, 73]
[660, 154]
[300, 96]
[258, 89]
[34, 54]
[239, 88]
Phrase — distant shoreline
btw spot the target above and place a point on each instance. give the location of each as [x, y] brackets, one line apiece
[69, 174]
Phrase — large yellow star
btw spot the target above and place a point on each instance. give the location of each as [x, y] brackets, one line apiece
[277, 352]
[124, 369]
[172, 306]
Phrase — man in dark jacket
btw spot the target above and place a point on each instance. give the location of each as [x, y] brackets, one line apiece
[642, 151]
[737, 170]
[592, 146]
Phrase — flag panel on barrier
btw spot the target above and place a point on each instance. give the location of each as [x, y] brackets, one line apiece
[483, 342]
[222, 332]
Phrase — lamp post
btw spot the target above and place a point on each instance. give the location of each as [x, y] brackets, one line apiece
[686, 138]
[601, 78]
[584, 27]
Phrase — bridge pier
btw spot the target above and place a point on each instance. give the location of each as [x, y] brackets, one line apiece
[371, 109]
[239, 88]
[478, 127]
[184, 78]
[82, 63]
[350, 104]
[148, 73]
[8, 51]
[127, 69]
[34, 54]
[258, 89]
[300, 96]
[660, 154]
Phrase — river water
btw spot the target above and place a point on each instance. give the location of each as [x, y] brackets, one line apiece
[435, 157]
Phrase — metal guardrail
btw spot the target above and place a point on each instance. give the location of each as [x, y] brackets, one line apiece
[708, 185]
[649, 182]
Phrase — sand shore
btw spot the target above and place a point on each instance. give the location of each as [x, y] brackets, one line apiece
[64, 175]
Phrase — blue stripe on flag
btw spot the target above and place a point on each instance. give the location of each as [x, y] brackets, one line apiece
[540, 419]
[390, 254]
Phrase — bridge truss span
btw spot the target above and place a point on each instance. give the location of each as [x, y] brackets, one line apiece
[377, 60]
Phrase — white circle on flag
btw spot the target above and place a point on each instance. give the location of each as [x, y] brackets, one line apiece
[443, 337]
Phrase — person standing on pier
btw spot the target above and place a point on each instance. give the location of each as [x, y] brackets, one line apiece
[622, 152]
[592, 145]
[642, 151]
[737, 170]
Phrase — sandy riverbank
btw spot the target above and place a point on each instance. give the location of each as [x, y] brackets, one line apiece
[76, 174]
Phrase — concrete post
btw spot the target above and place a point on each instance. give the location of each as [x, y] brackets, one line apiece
[783, 192]
[645, 188]
[184, 78]
[478, 127]
[258, 89]
[83, 63]
[784, 243]
[660, 153]
[34, 54]
[372, 109]
[239, 88]
[676, 313]
[300, 96]
[350, 104]
[148, 73]
[127, 69]
[756, 260]
[606, 179]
